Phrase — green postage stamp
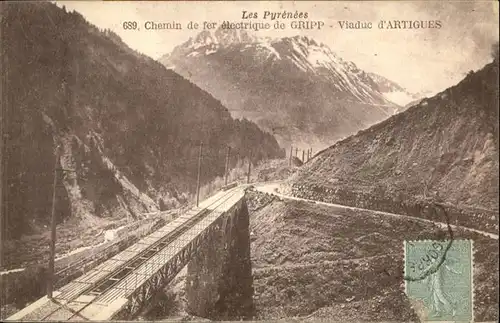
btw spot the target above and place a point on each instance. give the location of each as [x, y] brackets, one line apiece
[438, 279]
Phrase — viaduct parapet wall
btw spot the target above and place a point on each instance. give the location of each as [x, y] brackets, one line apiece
[219, 283]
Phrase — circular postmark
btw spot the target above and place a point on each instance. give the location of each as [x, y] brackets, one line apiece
[433, 258]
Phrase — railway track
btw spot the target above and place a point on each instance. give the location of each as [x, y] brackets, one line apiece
[95, 283]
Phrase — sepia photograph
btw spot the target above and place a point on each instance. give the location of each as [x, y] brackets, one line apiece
[265, 161]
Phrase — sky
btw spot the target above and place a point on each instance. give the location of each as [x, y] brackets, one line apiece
[421, 60]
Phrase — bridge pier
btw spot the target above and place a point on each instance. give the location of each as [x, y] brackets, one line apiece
[219, 283]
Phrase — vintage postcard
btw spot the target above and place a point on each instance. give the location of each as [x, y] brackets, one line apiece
[317, 161]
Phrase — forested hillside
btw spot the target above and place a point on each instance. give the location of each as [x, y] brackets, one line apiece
[128, 129]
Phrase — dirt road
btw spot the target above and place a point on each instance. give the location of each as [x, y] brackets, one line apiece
[274, 188]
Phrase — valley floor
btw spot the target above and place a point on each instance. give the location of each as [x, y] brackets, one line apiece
[33, 249]
[78, 248]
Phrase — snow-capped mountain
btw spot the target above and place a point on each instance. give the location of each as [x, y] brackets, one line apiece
[218, 38]
[393, 91]
[319, 59]
[294, 87]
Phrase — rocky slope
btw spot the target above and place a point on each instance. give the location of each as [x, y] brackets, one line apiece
[128, 129]
[443, 149]
[295, 87]
[340, 265]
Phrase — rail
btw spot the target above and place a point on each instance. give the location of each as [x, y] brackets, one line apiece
[113, 278]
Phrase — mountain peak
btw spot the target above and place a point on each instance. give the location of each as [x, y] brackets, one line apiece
[232, 36]
[307, 40]
[221, 37]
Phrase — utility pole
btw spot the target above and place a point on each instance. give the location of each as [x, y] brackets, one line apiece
[249, 166]
[199, 176]
[50, 286]
[291, 152]
[303, 155]
[296, 151]
[227, 165]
